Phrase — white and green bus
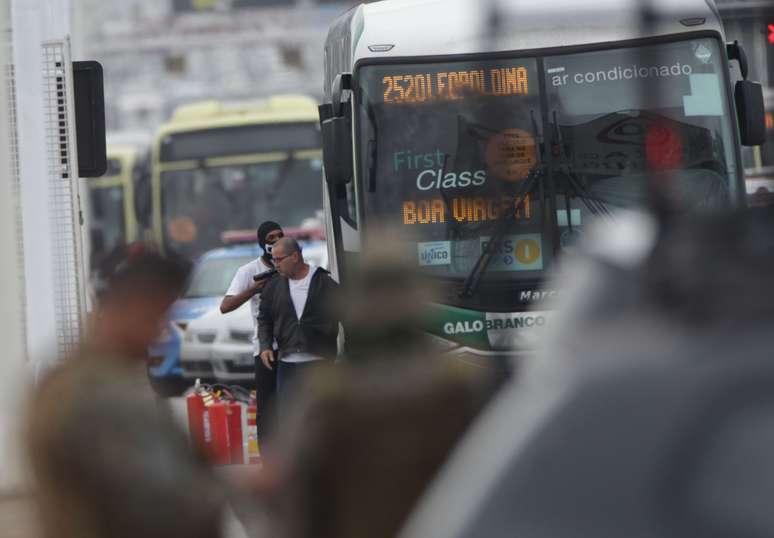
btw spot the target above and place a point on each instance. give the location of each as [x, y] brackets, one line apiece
[493, 133]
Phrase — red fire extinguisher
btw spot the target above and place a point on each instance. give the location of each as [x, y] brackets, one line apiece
[208, 424]
[253, 450]
[195, 405]
[215, 421]
[235, 432]
[219, 447]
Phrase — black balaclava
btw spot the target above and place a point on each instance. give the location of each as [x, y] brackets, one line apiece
[265, 229]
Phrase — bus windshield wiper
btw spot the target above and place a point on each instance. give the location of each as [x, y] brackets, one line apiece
[593, 203]
[506, 220]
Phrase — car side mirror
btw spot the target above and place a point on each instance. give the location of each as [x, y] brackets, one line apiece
[750, 111]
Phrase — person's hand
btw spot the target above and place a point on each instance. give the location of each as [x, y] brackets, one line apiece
[258, 285]
[267, 358]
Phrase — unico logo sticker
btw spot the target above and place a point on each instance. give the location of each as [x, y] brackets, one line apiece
[434, 253]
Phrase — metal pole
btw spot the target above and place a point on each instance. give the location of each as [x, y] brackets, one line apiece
[11, 289]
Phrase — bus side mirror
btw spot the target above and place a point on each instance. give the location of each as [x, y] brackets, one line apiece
[734, 51]
[342, 83]
[750, 113]
[336, 144]
[337, 150]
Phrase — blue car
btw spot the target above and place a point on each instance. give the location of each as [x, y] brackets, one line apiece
[211, 277]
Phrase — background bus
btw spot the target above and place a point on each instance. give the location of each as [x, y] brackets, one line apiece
[116, 197]
[492, 149]
[219, 167]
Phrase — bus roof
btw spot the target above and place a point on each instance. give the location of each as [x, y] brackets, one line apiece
[448, 27]
[274, 109]
[122, 151]
[130, 138]
[128, 146]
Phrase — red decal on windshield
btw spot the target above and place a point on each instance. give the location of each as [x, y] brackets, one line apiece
[663, 148]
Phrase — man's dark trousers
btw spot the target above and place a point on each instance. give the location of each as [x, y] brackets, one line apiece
[265, 393]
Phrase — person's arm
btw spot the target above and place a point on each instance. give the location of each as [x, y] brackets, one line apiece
[254, 339]
[266, 325]
[232, 302]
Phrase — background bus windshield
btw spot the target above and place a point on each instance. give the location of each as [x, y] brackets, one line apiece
[240, 140]
[448, 150]
[199, 204]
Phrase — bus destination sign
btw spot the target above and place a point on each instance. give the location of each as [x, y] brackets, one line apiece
[455, 85]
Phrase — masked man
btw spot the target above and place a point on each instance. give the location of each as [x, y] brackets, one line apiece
[245, 288]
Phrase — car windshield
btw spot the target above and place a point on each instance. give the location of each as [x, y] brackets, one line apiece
[199, 204]
[454, 153]
[212, 277]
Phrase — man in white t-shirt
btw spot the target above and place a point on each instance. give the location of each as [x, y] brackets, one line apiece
[295, 312]
[244, 288]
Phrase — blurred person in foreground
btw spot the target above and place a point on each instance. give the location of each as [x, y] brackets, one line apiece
[362, 440]
[647, 412]
[108, 463]
[296, 313]
[245, 288]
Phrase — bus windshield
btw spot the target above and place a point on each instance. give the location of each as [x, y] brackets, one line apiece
[521, 153]
[199, 204]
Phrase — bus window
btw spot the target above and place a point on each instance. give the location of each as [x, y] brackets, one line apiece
[622, 117]
[240, 140]
[201, 203]
[447, 150]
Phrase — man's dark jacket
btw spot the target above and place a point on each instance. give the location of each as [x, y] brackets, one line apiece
[317, 329]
